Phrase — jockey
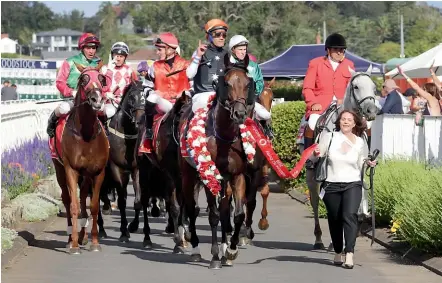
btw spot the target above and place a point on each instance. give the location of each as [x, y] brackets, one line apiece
[238, 46]
[165, 89]
[68, 75]
[208, 62]
[121, 76]
[143, 68]
[326, 80]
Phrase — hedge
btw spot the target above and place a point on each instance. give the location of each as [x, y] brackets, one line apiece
[408, 195]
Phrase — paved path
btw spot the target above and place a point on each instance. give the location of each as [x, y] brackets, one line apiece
[281, 254]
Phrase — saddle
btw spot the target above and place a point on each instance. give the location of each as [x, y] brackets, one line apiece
[148, 146]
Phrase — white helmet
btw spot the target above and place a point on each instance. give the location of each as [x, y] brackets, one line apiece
[237, 40]
[120, 48]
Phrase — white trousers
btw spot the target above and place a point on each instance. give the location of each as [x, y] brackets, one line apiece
[200, 100]
[109, 110]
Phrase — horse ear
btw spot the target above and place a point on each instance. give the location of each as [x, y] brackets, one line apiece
[352, 72]
[271, 82]
[102, 80]
[101, 64]
[80, 67]
[370, 68]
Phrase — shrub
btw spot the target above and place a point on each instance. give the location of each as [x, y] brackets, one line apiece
[286, 118]
[23, 166]
[8, 237]
[288, 92]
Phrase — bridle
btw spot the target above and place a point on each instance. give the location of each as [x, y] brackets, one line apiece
[353, 96]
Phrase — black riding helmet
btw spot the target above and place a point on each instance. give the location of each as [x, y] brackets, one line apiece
[335, 40]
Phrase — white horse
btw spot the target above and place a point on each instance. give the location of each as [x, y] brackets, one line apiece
[360, 98]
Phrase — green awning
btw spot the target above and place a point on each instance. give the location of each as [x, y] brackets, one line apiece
[393, 62]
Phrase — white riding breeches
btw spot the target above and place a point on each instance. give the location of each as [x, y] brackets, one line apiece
[109, 110]
[63, 108]
[200, 100]
[163, 104]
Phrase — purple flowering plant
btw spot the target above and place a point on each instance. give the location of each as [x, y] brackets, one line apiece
[23, 166]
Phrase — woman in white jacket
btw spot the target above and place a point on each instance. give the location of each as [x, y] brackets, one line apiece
[342, 189]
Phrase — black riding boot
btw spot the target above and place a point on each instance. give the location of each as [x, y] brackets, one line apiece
[149, 111]
[52, 123]
[103, 120]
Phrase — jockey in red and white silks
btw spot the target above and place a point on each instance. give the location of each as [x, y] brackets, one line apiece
[121, 76]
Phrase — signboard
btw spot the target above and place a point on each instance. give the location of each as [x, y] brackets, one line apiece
[35, 79]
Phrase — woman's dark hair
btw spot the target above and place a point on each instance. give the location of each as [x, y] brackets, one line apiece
[360, 125]
[432, 89]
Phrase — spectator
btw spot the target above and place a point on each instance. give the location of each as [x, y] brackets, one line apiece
[8, 92]
[393, 99]
[6, 83]
[14, 86]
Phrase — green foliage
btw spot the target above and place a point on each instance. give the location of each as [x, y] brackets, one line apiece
[385, 51]
[37, 207]
[8, 237]
[286, 118]
[289, 93]
[410, 194]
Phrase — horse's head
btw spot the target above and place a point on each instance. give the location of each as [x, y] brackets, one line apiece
[234, 89]
[91, 85]
[361, 94]
[134, 101]
[266, 97]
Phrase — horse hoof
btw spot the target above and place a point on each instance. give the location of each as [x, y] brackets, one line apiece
[187, 236]
[102, 234]
[215, 264]
[133, 227]
[147, 244]
[263, 224]
[155, 211]
[231, 254]
[195, 258]
[318, 246]
[124, 239]
[84, 242]
[226, 262]
[74, 251]
[106, 211]
[178, 250]
[95, 248]
[244, 241]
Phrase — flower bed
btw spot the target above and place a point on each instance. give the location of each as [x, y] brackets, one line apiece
[23, 166]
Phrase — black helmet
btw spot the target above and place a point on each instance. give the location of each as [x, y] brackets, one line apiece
[335, 40]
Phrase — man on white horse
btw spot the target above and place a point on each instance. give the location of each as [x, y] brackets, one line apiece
[326, 80]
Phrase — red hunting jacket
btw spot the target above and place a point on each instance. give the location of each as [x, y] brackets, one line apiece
[321, 83]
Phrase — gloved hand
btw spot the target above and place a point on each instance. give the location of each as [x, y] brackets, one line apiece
[110, 95]
[148, 83]
[74, 93]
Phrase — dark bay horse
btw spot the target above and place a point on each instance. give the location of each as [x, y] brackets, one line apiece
[226, 150]
[160, 175]
[84, 153]
[122, 165]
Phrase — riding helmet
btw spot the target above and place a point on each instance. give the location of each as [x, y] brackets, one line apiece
[335, 40]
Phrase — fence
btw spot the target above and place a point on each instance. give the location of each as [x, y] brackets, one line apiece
[397, 135]
[22, 120]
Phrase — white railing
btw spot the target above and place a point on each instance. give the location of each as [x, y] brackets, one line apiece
[398, 136]
[22, 120]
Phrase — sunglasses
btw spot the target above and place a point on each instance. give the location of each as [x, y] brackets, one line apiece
[219, 34]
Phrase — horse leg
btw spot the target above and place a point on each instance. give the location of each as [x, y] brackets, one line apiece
[247, 233]
[314, 201]
[239, 188]
[72, 183]
[147, 243]
[224, 208]
[214, 217]
[101, 231]
[265, 191]
[133, 226]
[105, 191]
[175, 213]
[95, 207]
[170, 228]
[65, 197]
[122, 179]
[84, 192]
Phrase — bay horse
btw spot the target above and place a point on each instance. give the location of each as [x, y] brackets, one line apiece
[359, 97]
[224, 118]
[122, 164]
[83, 151]
[160, 175]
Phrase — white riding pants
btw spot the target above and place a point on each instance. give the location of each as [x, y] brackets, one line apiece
[163, 104]
[200, 100]
[109, 110]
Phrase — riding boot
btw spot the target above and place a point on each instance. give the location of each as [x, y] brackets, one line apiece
[149, 113]
[52, 124]
[103, 120]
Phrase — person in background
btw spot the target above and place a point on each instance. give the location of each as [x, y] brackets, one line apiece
[393, 100]
[429, 92]
[347, 153]
[8, 92]
[411, 95]
[436, 80]
[14, 86]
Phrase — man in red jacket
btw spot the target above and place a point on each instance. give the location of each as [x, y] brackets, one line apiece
[326, 80]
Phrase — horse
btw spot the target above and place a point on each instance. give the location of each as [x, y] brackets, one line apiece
[122, 164]
[360, 98]
[258, 179]
[160, 175]
[224, 146]
[83, 151]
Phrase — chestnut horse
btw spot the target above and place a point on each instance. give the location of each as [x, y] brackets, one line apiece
[84, 154]
[229, 111]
